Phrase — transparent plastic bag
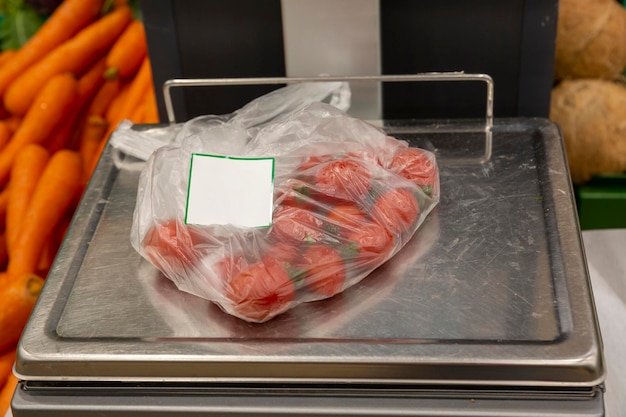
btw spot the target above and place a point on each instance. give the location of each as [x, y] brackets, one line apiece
[347, 197]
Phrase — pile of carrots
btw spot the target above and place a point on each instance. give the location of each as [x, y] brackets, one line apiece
[61, 96]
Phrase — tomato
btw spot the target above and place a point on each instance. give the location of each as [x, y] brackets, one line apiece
[313, 161]
[344, 217]
[283, 252]
[294, 224]
[366, 154]
[297, 193]
[372, 243]
[396, 210]
[170, 246]
[230, 266]
[344, 179]
[417, 166]
[261, 291]
[324, 269]
[346, 214]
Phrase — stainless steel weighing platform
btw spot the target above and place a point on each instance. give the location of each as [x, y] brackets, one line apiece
[487, 311]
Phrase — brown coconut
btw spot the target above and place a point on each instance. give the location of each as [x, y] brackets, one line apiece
[591, 39]
[592, 117]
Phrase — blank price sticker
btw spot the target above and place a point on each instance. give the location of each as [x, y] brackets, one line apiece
[229, 190]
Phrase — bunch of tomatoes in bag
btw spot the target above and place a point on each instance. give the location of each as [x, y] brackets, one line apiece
[336, 218]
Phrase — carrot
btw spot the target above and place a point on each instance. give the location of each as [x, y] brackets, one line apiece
[114, 109]
[70, 17]
[127, 53]
[4, 201]
[6, 395]
[88, 85]
[53, 244]
[4, 255]
[152, 112]
[27, 168]
[92, 134]
[45, 115]
[13, 122]
[90, 82]
[17, 299]
[48, 254]
[54, 195]
[64, 133]
[5, 134]
[104, 97]
[138, 115]
[6, 56]
[138, 87]
[72, 56]
[6, 364]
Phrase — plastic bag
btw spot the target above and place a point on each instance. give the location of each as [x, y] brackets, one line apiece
[347, 197]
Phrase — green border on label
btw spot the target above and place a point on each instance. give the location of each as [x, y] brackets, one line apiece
[226, 157]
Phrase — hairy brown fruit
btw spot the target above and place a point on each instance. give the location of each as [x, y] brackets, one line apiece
[591, 39]
[592, 117]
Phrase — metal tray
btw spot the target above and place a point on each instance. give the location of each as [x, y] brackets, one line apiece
[492, 289]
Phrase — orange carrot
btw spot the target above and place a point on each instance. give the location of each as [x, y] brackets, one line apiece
[6, 364]
[70, 17]
[104, 97]
[138, 87]
[48, 254]
[152, 112]
[5, 134]
[17, 299]
[27, 168]
[4, 113]
[63, 134]
[6, 395]
[128, 52]
[4, 255]
[88, 85]
[6, 56]
[73, 56]
[139, 114]
[114, 109]
[148, 112]
[55, 193]
[4, 201]
[13, 122]
[92, 134]
[45, 115]
[90, 82]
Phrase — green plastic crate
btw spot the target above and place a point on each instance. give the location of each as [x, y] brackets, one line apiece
[602, 202]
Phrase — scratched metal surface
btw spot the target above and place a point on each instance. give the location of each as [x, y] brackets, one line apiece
[492, 289]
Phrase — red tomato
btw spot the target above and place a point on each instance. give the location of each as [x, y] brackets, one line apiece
[294, 224]
[396, 210]
[283, 252]
[415, 165]
[344, 179]
[343, 218]
[313, 161]
[346, 214]
[297, 193]
[170, 246]
[324, 269]
[261, 291]
[230, 266]
[372, 244]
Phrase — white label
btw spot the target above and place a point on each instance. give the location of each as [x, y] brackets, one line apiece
[229, 190]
